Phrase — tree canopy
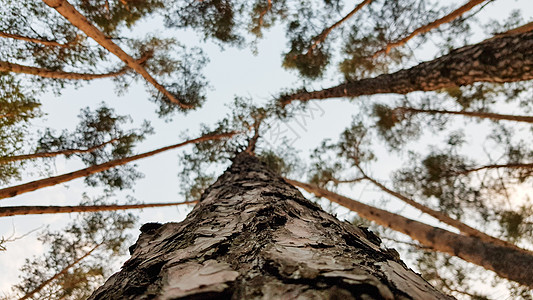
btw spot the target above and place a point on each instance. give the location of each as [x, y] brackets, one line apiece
[434, 124]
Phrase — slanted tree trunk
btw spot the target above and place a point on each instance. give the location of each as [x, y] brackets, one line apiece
[463, 228]
[446, 19]
[59, 274]
[6, 211]
[324, 34]
[54, 180]
[16, 68]
[504, 59]
[78, 20]
[65, 152]
[511, 263]
[474, 114]
[253, 236]
[37, 41]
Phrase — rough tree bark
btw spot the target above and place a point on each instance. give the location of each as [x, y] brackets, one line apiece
[504, 59]
[253, 236]
[511, 263]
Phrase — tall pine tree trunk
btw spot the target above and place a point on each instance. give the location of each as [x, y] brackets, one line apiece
[253, 236]
[504, 59]
[512, 263]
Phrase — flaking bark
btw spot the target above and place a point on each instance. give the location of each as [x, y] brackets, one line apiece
[253, 236]
[504, 59]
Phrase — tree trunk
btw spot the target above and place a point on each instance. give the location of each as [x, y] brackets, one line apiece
[16, 68]
[78, 20]
[474, 114]
[505, 59]
[446, 19]
[37, 41]
[7, 159]
[463, 228]
[54, 180]
[6, 211]
[253, 236]
[324, 34]
[57, 275]
[511, 263]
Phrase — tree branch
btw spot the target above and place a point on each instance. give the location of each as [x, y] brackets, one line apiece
[78, 20]
[421, 30]
[57, 275]
[505, 59]
[6, 211]
[54, 180]
[4, 160]
[38, 41]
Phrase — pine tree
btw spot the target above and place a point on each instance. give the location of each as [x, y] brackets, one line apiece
[253, 235]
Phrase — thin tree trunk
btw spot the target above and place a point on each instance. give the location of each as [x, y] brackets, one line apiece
[522, 29]
[324, 34]
[476, 114]
[504, 59]
[264, 12]
[54, 180]
[465, 229]
[7, 211]
[36, 41]
[253, 236]
[78, 20]
[7, 159]
[16, 68]
[57, 275]
[446, 19]
[502, 166]
[510, 263]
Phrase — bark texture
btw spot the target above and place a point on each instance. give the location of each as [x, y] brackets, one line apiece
[253, 236]
[504, 59]
[511, 263]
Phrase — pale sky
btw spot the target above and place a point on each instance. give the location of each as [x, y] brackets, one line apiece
[230, 72]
